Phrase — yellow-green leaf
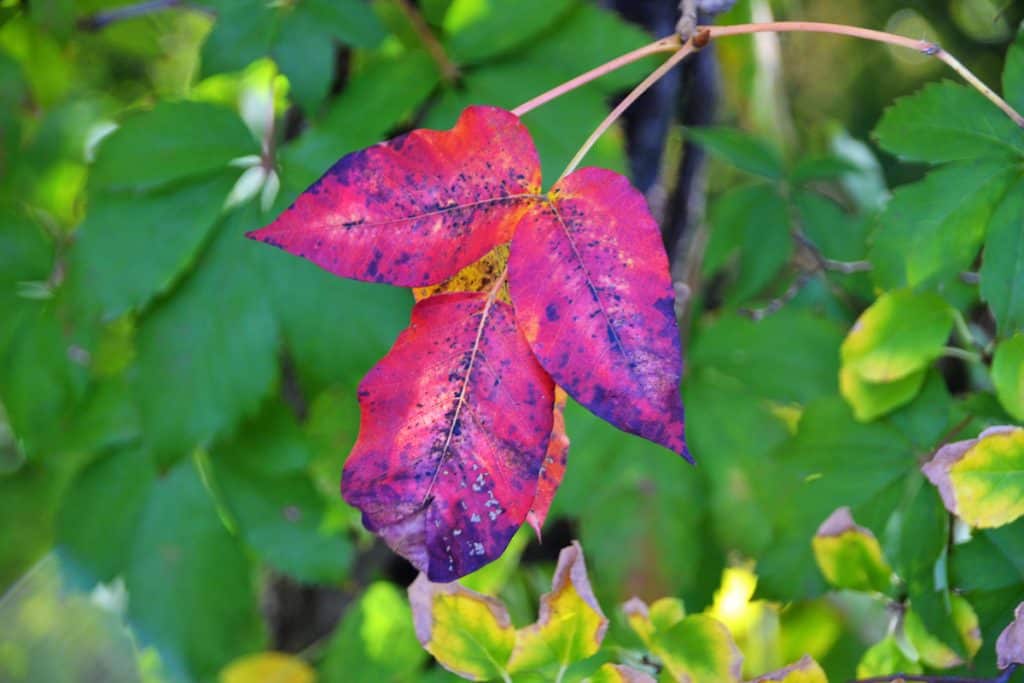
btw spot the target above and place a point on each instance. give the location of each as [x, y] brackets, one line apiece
[1010, 644]
[660, 615]
[699, 649]
[1008, 375]
[268, 667]
[468, 633]
[570, 626]
[849, 555]
[617, 673]
[932, 651]
[982, 480]
[885, 657]
[804, 671]
[901, 333]
[870, 400]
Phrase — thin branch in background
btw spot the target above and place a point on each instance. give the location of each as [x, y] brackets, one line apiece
[100, 20]
[776, 304]
[825, 263]
[449, 70]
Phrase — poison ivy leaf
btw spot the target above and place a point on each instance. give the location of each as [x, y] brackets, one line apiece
[125, 227]
[375, 641]
[267, 666]
[570, 626]
[1008, 375]
[618, 673]
[699, 649]
[948, 122]
[849, 555]
[208, 355]
[468, 633]
[171, 142]
[933, 651]
[553, 468]
[455, 423]
[1013, 74]
[275, 505]
[982, 480]
[483, 29]
[804, 671]
[1002, 267]
[885, 657]
[357, 220]
[607, 296]
[1010, 645]
[743, 151]
[931, 230]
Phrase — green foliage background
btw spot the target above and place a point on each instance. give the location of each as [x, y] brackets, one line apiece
[176, 402]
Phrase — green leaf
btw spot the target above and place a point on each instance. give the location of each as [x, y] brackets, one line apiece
[241, 34]
[208, 355]
[1008, 375]
[1002, 268]
[885, 658]
[699, 649]
[274, 503]
[172, 141]
[154, 237]
[1013, 74]
[268, 666]
[982, 480]
[871, 400]
[849, 556]
[992, 560]
[189, 582]
[804, 671]
[931, 230]
[570, 626]
[375, 641]
[923, 533]
[305, 54]
[948, 122]
[352, 22]
[743, 151]
[468, 633]
[899, 334]
[482, 29]
[820, 168]
[953, 632]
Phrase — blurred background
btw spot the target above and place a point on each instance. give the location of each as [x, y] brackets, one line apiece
[176, 402]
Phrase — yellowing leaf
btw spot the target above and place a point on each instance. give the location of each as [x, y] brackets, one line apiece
[699, 649]
[885, 657]
[804, 671]
[468, 633]
[982, 480]
[1010, 644]
[570, 626]
[1008, 375]
[617, 673]
[268, 667]
[849, 555]
[661, 615]
[874, 399]
[932, 651]
[476, 277]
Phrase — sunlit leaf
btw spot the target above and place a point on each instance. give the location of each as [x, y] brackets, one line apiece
[849, 555]
[699, 649]
[263, 667]
[885, 658]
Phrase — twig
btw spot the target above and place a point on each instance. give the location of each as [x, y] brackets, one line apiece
[100, 20]
[776, 304]
[922, 46]
[449, 70]
[825, 263]
[669, 44]
[1003, 677]
[636, 92]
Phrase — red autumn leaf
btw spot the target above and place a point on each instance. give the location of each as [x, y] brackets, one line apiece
[455, 423]
[414, 210]
[553, 468]
[590, 283]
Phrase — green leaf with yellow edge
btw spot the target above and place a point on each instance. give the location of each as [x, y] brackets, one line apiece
[570, 626]
[982, 480]
[469, 634]
[617, 673]
[699, 649]
[884, 658]
[932, 651]
[871, 400]
[849, 555]
[804, 671]
[1008, 375]
[899, 334]
[659, 616]
[262, 667]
